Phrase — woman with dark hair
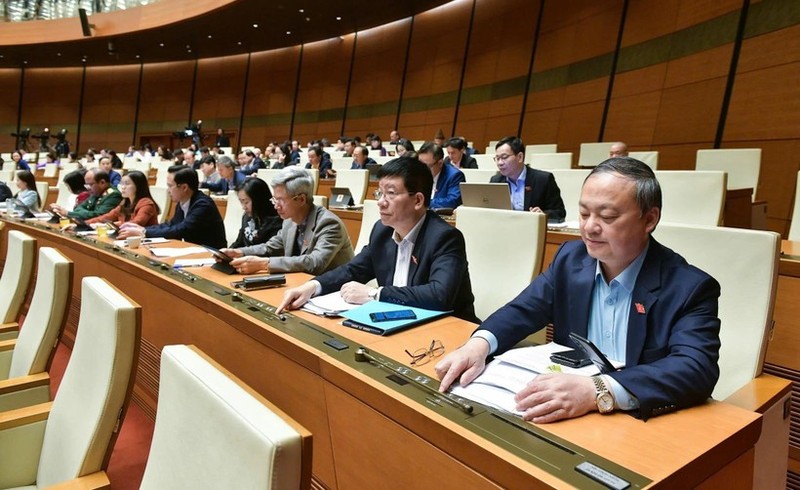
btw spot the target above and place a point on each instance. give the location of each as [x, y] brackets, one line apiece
[284, 156]
[28, 195]
[260, 221]
[376, 145]
[403, 146]
[137, 204]
[77, 186]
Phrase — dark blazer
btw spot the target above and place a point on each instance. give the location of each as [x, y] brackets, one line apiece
[202, 225]
[247, 237]
[222, 186]
[438, 277]
[541, 191]
[466, 162]
[253, 167]
[673, 346]
[448, 192]
[368, 161]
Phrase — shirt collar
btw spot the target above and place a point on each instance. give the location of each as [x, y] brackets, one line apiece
[411, 237]
[521, 176]
[626, 278]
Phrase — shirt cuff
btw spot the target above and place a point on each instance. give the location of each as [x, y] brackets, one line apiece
[317, 287]
[623, 399]
[488, 337]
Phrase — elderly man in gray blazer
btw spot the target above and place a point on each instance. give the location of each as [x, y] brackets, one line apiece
[312, 239]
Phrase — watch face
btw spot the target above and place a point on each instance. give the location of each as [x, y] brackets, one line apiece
[605, 403]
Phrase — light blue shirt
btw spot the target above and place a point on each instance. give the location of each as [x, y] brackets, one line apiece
[517, 190]
[608, 321]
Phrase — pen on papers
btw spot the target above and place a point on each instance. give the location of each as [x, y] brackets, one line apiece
[179, 266]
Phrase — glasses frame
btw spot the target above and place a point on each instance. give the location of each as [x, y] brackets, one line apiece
[378, 194]
[282, 201]
[423, 356]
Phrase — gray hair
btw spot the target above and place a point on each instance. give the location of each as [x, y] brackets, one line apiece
[225, 161]
[297, 181]
[648, 190]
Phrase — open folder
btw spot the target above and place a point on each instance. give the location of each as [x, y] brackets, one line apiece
[359, 317]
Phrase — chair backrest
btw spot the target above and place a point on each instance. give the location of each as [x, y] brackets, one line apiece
[743, 165]
[355, 180]
[650, 158]
[321, 201]
[513, 261]
[161, 197]
[531, 150]
[745, 263]
[233, 217]
[267, 174]
[65, 198]
[692, 197]
[341, 163]
[50, 170]
[570, 183]
[46, 317]
[592, 154]
[368, 219]
[161, 176]
[93, 396]
[549, 161]
[9, 166]
[478, 175]
[200, 405]
[7, 176]
[68, 167]
[485, 162]
[16, 274]
[794, 227]
[44, 189]
[315, 177]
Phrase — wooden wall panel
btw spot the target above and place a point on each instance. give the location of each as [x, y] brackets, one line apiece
[218, 94]
[270, 96]
[9, 107]
[435, 62]
[377, 78]
[166, 97]
[51, 100]
[109, 103]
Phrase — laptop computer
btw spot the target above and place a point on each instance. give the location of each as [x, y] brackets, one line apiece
[495, 196]
[340, 198]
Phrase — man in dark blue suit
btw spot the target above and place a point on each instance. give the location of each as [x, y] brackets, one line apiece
[446, 178]
[417, 258]
[196, 219]
[530, 189]
[229, 177]
[637, 300]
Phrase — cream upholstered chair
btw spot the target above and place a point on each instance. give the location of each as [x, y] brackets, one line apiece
[267, 174]
[76, 438]
[161, 197]
[570, 183]
[531, 150]
[743, 165]
[233, 217]
[692, 197]
[745, 263]
[24, 362]
[9, 166]
[368, 220]
[512, 261]
[794, 227]
[341, 163]
[549, 161]
[478, 175]
[485, 162]
[321, 201]
[44, 189]
[592, 154]
[50, 170]
[649, 158]
[315, 177]
[200, 406]
[20, 253]
[355, 180]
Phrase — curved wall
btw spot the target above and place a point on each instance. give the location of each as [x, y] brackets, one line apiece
[671, 76]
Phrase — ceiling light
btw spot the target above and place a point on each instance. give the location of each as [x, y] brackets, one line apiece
[338, 18]
[210, 36]
[288, 32]
[255, 26]
[301, 11]
[308, 19]
[25, 62]
[58, 54]
[138, 56]
[239, 43]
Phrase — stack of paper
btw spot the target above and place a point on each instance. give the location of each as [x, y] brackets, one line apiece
[328, 305]
[176, 252]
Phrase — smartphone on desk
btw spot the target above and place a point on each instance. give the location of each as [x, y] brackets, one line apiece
[390, 316]
[571, 358]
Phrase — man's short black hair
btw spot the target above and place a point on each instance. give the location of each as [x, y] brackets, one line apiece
[516, 144]
[183, 174]
[100, 175]
[456, 142]
[432, 148]
[415, 174]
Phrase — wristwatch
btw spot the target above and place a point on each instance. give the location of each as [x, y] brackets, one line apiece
[604, 397]
[373, 293]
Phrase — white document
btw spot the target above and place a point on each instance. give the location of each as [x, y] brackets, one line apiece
[193, 262]
[330, 304]
[176, 252]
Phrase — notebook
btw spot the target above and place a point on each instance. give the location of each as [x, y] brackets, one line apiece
[340, 198]
[359, 317]
[495, 196]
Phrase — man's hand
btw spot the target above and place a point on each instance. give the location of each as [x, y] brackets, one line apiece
[536, 209]
[467, 361]
[250, 264]
[57, 209]
[296, 297]
[552, 397]
[129, 229]
[355, 293]
[232, 252]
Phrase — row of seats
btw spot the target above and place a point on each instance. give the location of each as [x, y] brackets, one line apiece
[71, 439]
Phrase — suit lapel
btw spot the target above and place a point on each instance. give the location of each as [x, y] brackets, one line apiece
[642, 302]
[311, 223]
[580, 295]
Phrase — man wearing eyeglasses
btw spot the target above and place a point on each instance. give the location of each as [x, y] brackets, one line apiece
[416, 257]
[530, 189]
[196, 218]
[312, 239]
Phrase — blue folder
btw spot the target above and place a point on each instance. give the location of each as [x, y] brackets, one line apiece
[359, 317]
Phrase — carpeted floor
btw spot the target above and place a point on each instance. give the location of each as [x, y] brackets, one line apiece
[128, 460]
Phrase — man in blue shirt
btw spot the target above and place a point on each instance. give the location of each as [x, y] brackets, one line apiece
[638, 301]
[446, 178]
[229, 177]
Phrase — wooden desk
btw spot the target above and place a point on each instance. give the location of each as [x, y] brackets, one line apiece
[358, 414]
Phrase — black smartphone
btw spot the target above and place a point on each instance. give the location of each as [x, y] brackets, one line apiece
[571, 358]
[389, 316]
[112, 228]
[219, 255]
[593, 353]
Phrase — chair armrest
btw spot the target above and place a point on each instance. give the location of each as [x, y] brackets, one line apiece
[761, 393]
[24, 391]
[9, 330]
[87, 482]
[6, 354]
[21, 439]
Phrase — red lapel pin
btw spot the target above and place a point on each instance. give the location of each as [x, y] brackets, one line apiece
[414, 259]
[640, 308]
